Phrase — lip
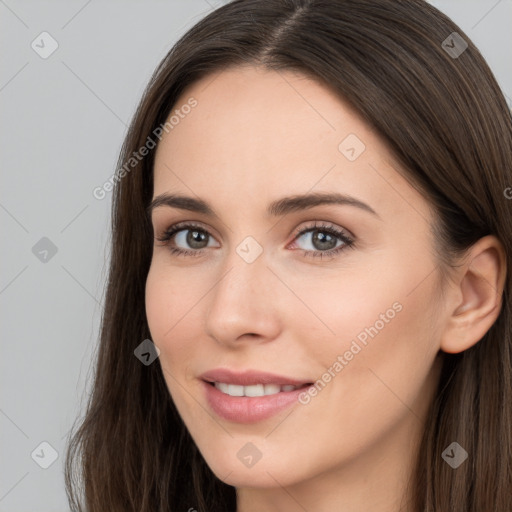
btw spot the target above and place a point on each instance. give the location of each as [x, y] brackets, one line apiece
[244, 409]
[249, 377]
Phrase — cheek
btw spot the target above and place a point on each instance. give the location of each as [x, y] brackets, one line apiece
[160, 300]
[384, 330]
[173, 310]
[389, 347]
[172, 296]
[173, 315]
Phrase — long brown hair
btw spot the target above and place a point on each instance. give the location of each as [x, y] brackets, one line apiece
[446, 121]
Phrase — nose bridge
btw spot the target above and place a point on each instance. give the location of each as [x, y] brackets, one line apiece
[241, 300]
[244, 277]
[245, 269]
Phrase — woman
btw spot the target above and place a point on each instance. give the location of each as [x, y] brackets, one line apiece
[308, 305]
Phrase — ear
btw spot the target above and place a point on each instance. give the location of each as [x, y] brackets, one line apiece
[479, 290]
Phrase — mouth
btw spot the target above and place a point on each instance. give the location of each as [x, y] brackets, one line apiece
[250, 396]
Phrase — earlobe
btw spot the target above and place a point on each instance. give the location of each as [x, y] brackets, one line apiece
[481, 280]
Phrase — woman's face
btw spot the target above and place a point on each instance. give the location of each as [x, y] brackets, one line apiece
[344, 295]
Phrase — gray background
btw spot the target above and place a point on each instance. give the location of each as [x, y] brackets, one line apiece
[63, 122]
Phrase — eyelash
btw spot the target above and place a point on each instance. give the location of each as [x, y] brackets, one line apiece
[325, 228]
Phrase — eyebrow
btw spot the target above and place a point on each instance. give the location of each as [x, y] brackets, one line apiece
[277, 208]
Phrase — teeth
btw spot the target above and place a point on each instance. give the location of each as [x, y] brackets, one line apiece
[272, 389]
[235, 390]
[222, 387]
[253, 390]
[256, 390]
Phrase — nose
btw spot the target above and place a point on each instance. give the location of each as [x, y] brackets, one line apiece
[243, 303]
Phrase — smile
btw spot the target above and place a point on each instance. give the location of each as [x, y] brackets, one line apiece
[254, 390]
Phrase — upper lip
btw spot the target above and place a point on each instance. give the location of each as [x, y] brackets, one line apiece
[249, 377]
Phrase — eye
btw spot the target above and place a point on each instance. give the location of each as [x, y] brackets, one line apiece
[188, 239]
[323, 240]
[185, 236]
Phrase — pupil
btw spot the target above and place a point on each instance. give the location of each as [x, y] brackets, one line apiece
[192, 240]
[321, 238]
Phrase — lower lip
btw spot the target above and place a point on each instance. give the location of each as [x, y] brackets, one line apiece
[249, 409]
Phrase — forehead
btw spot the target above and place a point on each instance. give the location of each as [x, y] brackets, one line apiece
[255, 133]
[250, 113]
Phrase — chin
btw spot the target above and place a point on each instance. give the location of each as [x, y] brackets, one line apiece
[254, 478]
[263, 473]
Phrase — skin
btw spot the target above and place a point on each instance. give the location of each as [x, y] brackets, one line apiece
[256, 136]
